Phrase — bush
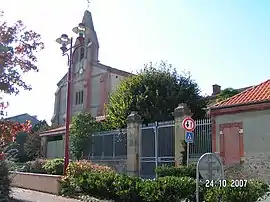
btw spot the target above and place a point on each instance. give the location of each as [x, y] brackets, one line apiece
[78, 167]
[181, 171]
[79, 175]
[102, 182]
[36, 166]
[54, 166]
[252, 192]
[4, 182]
[85, 178]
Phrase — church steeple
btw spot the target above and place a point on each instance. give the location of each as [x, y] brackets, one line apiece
[91, 36]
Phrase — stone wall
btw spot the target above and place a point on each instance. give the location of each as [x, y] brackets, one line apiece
[256, 166]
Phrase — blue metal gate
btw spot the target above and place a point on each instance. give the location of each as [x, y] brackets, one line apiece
[156, 147]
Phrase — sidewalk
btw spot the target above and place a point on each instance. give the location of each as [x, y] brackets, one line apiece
[25, 195]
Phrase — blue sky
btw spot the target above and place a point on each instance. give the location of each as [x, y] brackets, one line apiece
[225, 42]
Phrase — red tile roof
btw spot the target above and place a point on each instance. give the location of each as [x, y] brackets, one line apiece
[252, 95]
[62, 129]
[53, 131]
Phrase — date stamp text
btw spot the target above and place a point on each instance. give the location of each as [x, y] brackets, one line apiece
[226, 183]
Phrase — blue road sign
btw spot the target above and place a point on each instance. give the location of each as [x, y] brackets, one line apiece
[189, 137]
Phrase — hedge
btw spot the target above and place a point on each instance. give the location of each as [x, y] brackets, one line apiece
[181, 171]
[85, 178]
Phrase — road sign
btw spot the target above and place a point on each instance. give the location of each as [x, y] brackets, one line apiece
[209, 167]
[188, 124]
[189, 137]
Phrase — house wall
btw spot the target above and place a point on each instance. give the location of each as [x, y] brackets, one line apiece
[115, 80]
[256, 128]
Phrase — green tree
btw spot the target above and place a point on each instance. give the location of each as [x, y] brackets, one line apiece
[33, 141]
[82, 127]
[154, 92]
[226, 93]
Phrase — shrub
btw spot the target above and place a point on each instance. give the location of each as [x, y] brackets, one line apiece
[81, 170]
[252, 192]
[4, 182]
[36, 166]
[85, 178]
[181, 171]
[54, 166]
[127, 188]
[78, 167]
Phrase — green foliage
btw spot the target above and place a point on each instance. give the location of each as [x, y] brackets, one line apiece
[4, 182]
[32, 146]
[250, 193]
[83, 126]
[113, 186]
[36, 166]
[54, 166]
[11, 151]
[87, 179]
[43, 166]
[181, 171]
[154, 92]
[184, 152]
[226, 93]
[41, 126]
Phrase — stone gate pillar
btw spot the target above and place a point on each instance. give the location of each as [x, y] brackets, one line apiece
[180, 113]
[133, 132]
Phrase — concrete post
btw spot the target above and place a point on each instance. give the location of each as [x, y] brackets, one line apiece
[180, 113]
[133, 132]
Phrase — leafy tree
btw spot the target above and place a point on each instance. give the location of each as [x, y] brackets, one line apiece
[9, 130]
[82, 127]
[33, 141]
[154, 92]
[226, 93]
[18, 49]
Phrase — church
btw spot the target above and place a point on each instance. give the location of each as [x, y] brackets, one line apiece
[92, 81]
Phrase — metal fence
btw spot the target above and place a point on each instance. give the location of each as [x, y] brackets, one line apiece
[157, 146]
[109, 145]
[109, 148]
[202, 138]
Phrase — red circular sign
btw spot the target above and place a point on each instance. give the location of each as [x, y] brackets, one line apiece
[188, 124]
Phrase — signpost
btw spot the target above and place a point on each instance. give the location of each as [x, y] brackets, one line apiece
[189, 125]
[210, 168]
[189, 138]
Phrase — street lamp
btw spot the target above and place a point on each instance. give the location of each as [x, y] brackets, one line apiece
[65, 41]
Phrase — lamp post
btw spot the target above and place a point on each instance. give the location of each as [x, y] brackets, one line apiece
[64, 40]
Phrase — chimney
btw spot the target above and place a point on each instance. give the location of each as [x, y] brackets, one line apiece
[216, 89]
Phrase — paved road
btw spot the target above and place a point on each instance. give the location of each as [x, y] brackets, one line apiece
[24, 195]
[34, 196]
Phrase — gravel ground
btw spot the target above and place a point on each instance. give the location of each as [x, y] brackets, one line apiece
[24, 195]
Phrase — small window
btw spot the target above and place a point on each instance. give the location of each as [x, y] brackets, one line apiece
[79, 98]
